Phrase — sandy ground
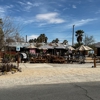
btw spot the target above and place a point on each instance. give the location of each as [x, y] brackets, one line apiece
[51, 73]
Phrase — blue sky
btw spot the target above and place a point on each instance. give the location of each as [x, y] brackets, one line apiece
[54, 18]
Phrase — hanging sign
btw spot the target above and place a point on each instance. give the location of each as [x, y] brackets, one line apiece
[17, 48]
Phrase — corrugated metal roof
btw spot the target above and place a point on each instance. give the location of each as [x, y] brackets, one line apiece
[97, 44]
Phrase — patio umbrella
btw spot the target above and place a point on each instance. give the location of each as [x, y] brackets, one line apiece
[89, 48]
[70, 48]
[83, 48]
[31, 46]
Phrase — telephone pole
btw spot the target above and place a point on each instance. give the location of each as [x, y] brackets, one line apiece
[73, 36]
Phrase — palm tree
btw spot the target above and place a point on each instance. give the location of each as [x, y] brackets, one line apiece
[65, 42]
[56, 40]
[79, 35]
[42, 38]
[53, 41]
[31, 41]
[35, 40]
[46, 39]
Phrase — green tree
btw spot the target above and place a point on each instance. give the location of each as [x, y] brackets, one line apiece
[41, 38]
[76, 45]
[34, 40]
[31, 41]
[46, 39]
[55, 41]
[79, 35]
[65, 42]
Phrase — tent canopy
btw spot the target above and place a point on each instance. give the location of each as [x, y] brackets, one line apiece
[83, 48]
[70, 48]
[31, 46]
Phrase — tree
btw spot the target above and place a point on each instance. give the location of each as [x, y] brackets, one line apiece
[46, 39]
[41, 38]
[55, 41]
[31, 41]
[18, 38]
[76, 45]
[79, 35]
[8, 30]
[1, 35]
[9, 40]
[88, 40]
[1, 38]
[35, 40]
[65, 42]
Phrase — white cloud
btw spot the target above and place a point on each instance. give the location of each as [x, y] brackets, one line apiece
[29, 5]
[24, 20]
[81, 22]
[21, 3]
[2, 10]
[34, 4]
[29, 21]
[9, 6]
[74, 6]
[32, 37]
[27, 8]
[41, 19]
[65, 8]
[49, 18]
[37, 4]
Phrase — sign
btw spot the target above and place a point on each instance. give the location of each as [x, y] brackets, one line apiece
[18, 48]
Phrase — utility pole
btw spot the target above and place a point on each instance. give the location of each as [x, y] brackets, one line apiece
[73, 36]
[85, 39]
[26, 38]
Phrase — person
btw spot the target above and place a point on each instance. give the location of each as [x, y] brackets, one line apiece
[70, 52]
[17, 57]
[24, 57]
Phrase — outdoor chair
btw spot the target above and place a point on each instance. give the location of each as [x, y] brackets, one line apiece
[81, 59]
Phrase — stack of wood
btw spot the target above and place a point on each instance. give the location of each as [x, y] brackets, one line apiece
[58, 59]
[48, 59]
[38, 60]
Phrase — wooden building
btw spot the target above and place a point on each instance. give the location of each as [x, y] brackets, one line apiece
[97, 45]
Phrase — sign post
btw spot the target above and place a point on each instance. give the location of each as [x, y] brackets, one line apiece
[94, 62]
[18, 49]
